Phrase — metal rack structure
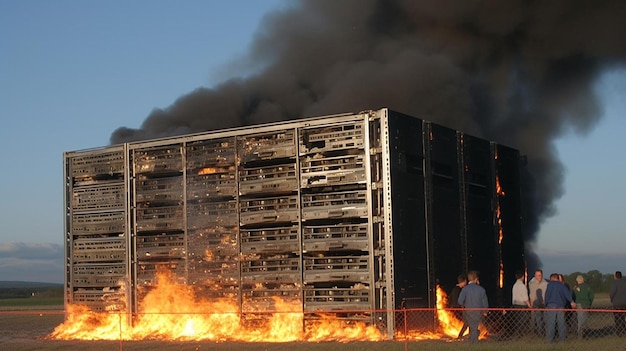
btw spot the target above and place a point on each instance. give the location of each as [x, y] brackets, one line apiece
[353, 214]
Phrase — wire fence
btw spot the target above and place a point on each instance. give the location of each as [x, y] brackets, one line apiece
[423, 329]
[515, 323]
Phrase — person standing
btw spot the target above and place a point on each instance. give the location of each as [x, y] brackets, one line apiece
[557, 297]
[618, 299]
[537, 292]
[453, 301]
[520, 300]
[569, 313]
[583, 296]
[474, 298]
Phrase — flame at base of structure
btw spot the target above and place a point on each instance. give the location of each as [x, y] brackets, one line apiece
[172, 312]
[448, 322]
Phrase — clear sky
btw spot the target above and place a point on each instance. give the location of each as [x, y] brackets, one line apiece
[71, 72]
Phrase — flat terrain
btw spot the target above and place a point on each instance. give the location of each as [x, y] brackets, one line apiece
[26, 323]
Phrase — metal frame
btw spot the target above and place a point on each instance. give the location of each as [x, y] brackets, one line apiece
[368, 173]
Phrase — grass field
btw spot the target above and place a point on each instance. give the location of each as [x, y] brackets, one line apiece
[52, 303]
[51, 299]
[25, 324]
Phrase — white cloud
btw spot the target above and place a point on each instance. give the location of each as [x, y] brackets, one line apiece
[39, 262]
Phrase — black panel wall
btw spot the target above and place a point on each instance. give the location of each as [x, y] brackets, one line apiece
[478, 202]
[407, 179]
[447, 187]
[444, 207]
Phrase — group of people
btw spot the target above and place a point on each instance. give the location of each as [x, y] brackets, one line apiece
[548, 300]
[551, 299]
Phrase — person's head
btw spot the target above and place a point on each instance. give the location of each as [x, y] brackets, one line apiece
[580, 279]
[462, 280]
[472, 276]
[554, 277]
[561, 278]
[519, 275]
[538, 275]
[618, 275]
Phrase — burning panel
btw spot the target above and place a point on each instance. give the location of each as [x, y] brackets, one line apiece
[213, 265]
[480, 222]
[508, 165]
[96, 226]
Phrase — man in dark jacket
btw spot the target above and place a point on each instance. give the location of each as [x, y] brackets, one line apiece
[453, 301]
[474, 298]
[557, 297]
[583, 296]
[618, 299]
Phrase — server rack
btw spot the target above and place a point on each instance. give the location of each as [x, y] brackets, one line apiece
[353, 214]
[97, 244]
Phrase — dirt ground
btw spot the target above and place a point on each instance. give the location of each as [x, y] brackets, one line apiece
[28, 329]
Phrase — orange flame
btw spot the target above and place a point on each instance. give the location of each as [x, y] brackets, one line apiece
[449, 323]
[500, 193]
[207, 170]
[500, 237]
[172, 312]
[499, 190]
[213, 170]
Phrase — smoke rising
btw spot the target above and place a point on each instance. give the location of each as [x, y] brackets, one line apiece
[516, 72]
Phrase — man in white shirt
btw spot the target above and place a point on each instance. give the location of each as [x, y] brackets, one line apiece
[537, 293]
[520, 300]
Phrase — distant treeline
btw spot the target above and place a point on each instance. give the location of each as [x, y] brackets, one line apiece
[24, 292]
[597, 281]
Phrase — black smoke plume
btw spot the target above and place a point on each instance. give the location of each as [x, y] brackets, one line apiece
[517, 72]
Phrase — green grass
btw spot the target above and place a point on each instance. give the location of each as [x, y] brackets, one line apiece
[29, 303]
[601, 300]
[27, 297]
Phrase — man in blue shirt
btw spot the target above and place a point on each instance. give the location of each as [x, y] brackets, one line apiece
[557, 297]
[474, 298]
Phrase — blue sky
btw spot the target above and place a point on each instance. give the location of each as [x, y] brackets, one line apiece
[71, 72]
[588, 230]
